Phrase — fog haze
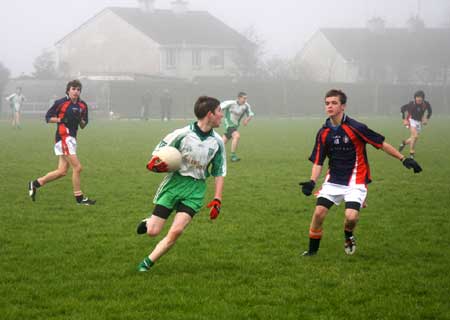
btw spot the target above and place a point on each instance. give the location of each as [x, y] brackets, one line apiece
[28, 26]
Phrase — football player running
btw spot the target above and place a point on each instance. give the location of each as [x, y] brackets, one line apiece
[235, 111]
[183, 191]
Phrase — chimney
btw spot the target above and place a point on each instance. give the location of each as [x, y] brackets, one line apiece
[179, 6]
[147, 6]
[376, 25]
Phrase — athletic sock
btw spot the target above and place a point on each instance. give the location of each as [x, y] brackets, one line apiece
[314, 239]
[148, 262]
[412, 154]
[348, 234]
[79, 198]
[36, 184]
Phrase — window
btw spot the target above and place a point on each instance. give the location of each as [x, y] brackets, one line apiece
[217, 59]
[196, 58]
[171, 58]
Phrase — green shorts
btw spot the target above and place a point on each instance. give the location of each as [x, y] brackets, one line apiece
[176, 189]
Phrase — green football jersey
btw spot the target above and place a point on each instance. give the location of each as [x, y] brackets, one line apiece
[203, 154]
[234, 113]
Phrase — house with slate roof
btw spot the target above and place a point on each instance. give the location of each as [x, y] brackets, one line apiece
[177, 42]
[411, 55]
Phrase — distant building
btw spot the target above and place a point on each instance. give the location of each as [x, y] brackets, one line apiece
[377, 54]
[148, 41]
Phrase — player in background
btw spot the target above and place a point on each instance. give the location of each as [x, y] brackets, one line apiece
[68, 113]
[235, 111]
[343, 140]
[15, 102]
[203, 154]
[413, 115]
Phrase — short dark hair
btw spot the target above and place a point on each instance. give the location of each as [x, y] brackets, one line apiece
[242, 94]
[419, 93]
[73, 84]
[337, 93]
[205, 104]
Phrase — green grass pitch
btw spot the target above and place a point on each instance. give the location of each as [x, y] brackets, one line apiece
[62, 261]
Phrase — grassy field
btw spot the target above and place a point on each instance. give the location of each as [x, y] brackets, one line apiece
[62, 261]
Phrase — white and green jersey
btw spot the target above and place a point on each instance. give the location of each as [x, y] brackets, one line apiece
[203, 154]
[16, 101]
[234, 112]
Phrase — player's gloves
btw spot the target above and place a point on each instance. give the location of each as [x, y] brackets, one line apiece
[157, 165]
[307, 187]
[411, 163]
[215, 208]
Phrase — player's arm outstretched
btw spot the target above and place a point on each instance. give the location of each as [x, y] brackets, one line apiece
[407, 162]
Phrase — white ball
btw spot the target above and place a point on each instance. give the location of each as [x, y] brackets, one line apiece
[171, 156]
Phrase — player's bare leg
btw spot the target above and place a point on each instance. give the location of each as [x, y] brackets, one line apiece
[60, 172]
[17, 119]
[225, 139]
[179, 224]
[235, 136]
[413, 140]
[315, 230]
[76, 185]
[151, 226]
[351, 219]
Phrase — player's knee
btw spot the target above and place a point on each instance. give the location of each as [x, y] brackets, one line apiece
[320, 212]
[236, 135]
[62, 172]
[174, 234]
[153, 232]
[78, 168]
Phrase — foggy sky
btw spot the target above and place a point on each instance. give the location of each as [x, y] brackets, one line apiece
[29, 26]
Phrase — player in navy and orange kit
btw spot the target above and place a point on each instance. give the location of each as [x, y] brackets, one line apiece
[413, 115]
[343, 140]
[68, 113]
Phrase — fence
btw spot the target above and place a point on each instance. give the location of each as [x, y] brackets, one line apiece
[268, 99]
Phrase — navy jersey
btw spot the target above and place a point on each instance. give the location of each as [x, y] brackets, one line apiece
[345, 146]
[416, 111]
[70, 114]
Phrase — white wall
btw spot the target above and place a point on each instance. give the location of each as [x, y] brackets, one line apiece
[185, 69]
[323, 63]
[107, 44]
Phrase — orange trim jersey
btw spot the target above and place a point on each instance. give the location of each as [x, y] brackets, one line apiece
[70, 115]
[345, 146]
[416, 111]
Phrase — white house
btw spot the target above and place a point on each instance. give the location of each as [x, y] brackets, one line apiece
[175, 42]
[377, 54]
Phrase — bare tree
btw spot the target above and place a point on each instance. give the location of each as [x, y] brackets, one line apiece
[249, 55]
[45, 66]
[4, 78]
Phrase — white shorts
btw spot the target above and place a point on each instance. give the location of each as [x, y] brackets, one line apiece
[415, 124]
[66, 146]
[336, 193]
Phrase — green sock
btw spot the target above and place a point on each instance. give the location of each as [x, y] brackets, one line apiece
[148, 262]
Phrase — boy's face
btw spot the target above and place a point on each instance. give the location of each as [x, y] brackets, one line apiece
[74, 93]
[215, 118]
[419, 100]
[333, 106]
[242, 99]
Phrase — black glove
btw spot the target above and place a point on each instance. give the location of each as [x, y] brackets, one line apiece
[307, 187]
[411, 163]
